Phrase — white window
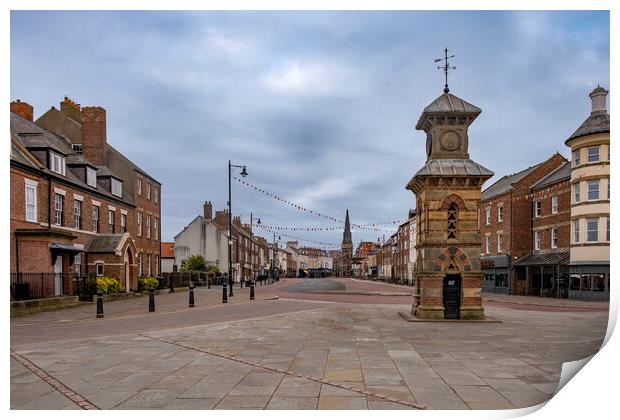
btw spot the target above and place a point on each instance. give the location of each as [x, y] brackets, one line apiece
[139, 186]
[577, 192]
[77, 214]
[31, 201]
[156, 228]
[156, 195]
[577, 157]
[139, 264]
[156, 265]
[95, 219]
[99, 268]
[148, 264]
[139, 223]
[537, 208]
[537, 240]
[148, 190]
[148, 227]
[554, 238]
[593, 189]
[593, 154]
[575, 231]
[91, 177]
[111, 214]
[123, 222]
[58, 202]
[57, 163]
[117, 187]
[592, 230]
[500, 213]
[554, 204]
[487, 215]
[500, 240]
[488, 244]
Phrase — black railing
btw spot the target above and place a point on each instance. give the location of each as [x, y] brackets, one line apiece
[182, 279]
[26, 286]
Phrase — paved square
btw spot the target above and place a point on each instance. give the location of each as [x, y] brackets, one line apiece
[298, 354]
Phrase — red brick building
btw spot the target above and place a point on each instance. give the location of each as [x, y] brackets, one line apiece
[84, 129]
[68, 214]
[506, 224]
[401, 258]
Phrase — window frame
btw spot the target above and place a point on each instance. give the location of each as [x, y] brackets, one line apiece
[111, 220]
[91, 177]
[487, 244]
[33, 187]
[57, 163]
[537, 208]
[500, 240]
[77, 214]
[95, 211]
[487, 216]
[555, 204]
[116, 187]
[577, 157]
[537, 240]
[500, 213]
[123, 223]
[554, 238]
[577, 192]
[97, 267]
[591, 156]
[592, 182]
[58, 209]
[148, 226]
[593, 231]
[139, 223]
[576, 231]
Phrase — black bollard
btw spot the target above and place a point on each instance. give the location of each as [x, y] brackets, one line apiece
[252, 291]
[171, 284]
[208, 283]
[224, 295]
[151, 300]
[230, 283]
[99, 305]
[191, 296]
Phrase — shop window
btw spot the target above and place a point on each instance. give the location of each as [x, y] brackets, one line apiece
[575, 282]
[598, 282]
[586, 282]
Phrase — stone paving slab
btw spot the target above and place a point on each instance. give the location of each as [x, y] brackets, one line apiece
[337, 356]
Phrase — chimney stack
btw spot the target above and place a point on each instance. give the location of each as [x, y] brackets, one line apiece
[208, 210]
[599, 99]
[23, 109]
[71, 109]
[94, 142]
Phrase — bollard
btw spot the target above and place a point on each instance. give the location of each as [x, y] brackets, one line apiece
[171, 284]
[230, 283]
[208, 283]
[252, 291]
[191, 296]
[224, 295]
[151, 300]
[99, 305]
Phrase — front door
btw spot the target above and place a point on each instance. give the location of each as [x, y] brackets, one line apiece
[58, 276]
[452, 296]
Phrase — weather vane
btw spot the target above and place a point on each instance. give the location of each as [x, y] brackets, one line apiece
[446, 68]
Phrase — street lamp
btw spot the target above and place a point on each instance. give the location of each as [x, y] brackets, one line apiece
[244, 173]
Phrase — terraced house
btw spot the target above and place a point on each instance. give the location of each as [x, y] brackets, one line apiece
[77, 204]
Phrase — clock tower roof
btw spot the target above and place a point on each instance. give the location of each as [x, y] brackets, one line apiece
[445, 105]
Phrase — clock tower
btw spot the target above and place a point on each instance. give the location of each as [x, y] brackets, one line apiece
[447, 188]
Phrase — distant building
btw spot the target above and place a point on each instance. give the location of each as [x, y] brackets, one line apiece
[167, 257]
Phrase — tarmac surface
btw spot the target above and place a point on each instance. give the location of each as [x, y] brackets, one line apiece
[323, 344]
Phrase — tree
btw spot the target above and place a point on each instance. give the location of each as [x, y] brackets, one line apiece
[195, 263]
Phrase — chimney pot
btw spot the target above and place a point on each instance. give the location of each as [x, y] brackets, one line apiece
[208, 210]
[23, 109]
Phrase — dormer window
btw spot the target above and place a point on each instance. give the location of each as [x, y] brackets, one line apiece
[116, 187]
[77, 148]
[57, 163]
[91, 177]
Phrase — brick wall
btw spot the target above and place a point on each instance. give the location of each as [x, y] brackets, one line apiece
[548, 220]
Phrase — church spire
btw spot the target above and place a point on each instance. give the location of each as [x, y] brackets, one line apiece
[346, 237]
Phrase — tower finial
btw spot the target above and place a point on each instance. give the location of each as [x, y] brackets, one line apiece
[446, 67]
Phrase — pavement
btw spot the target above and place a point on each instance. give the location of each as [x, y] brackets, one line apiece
[305, 350]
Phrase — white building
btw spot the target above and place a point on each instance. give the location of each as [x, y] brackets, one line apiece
[203, 237]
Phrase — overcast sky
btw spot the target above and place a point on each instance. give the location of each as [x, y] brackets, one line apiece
[320, 106]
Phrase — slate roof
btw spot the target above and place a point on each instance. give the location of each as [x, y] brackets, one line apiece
[504, 184]
[453, 167]
[561, 173]
[547, 258]
[597, 122]
[450, 103]
[105, 243]
[26, 134]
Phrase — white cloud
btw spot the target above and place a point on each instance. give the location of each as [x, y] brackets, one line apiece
[312, 79]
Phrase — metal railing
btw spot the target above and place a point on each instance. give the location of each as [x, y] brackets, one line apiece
[182, 279]
[27, 286]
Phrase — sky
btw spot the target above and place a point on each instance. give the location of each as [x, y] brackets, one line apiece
[319, 106]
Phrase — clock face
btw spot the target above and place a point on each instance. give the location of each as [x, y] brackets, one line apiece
[429, 144]
[450, 141]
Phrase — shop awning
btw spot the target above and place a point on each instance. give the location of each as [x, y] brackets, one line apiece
[547, 258]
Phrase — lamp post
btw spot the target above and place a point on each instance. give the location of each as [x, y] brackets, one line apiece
[244, 173]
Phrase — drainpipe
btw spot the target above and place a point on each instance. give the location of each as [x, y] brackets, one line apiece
[49, 202]
[17, 259]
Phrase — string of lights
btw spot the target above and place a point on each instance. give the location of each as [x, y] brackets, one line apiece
[276, 197]
[327, 245]
[323, 229]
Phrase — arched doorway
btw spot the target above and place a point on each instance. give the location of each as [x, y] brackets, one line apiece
[452, 290]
